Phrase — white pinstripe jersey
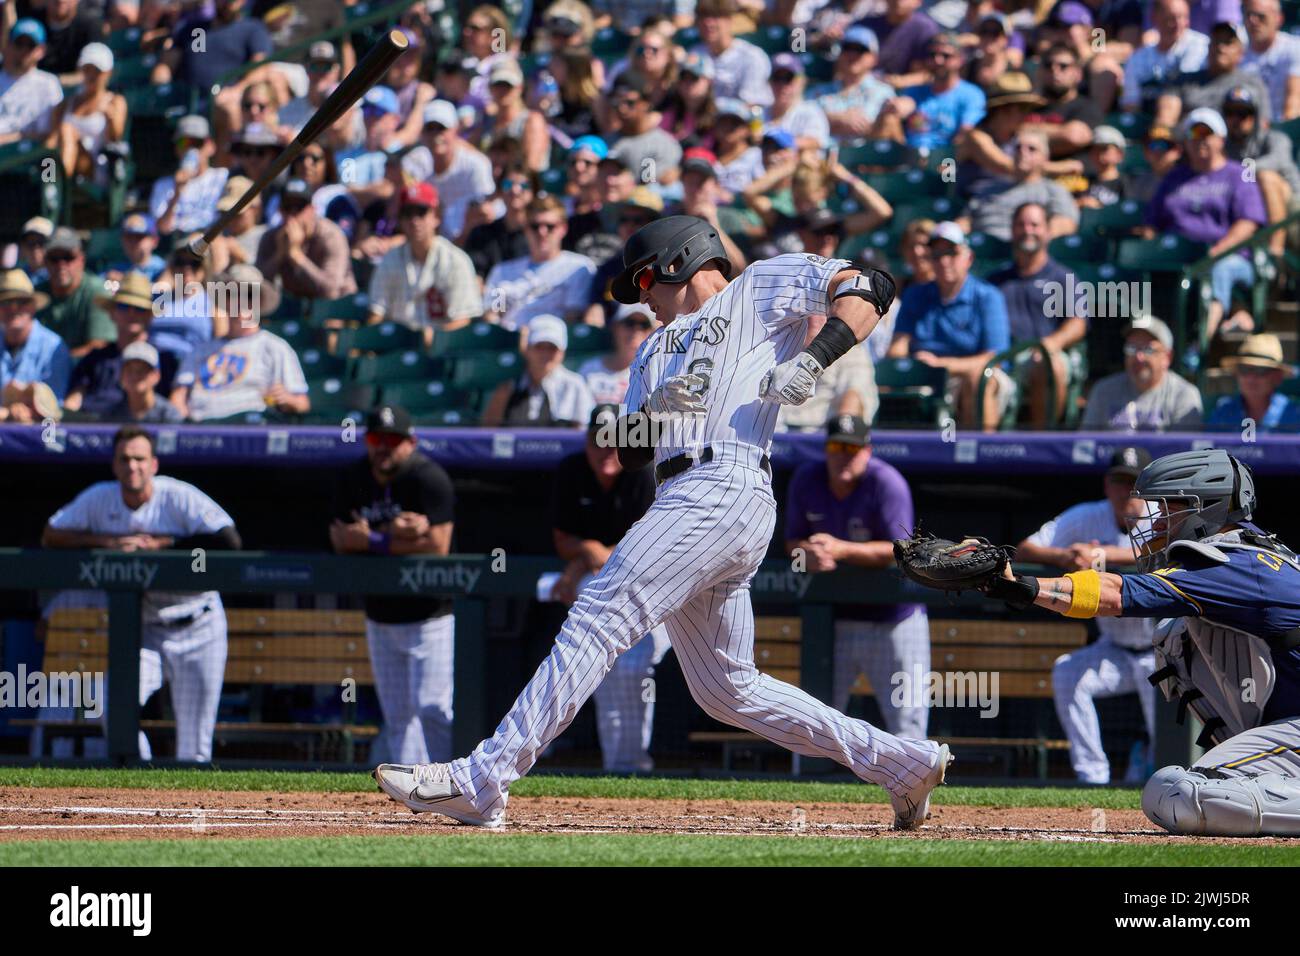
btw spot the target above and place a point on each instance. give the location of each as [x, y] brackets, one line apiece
[176, 509]
[758, 321]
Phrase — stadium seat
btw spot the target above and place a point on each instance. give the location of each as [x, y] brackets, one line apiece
[907, 186]
[911, 394]
[349, 308]
[1114, 221]
[124, 43]
[103, 247]
[818, 68]
[1078, 249]
[317, 363]
[290, 307]
[881, 241]
[130, 72]
[587, 340]
[407, 366]
[478, 337]
[485, 371]
[333, 399]
[1168, 253]
[554, 179]
[770, 39]
[154, 111]
[859, 158]
[610, 43]
[379, 338]
[1132, 125]
[447, 418]
[421, 397]
[687, 37]
[301, 335]
[938, 208]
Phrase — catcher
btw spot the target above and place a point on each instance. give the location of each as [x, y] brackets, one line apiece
[1229, 651]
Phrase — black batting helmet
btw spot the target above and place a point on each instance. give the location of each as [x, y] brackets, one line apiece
[676, 247]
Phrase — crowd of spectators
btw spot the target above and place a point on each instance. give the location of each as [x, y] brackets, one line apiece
[496, 171]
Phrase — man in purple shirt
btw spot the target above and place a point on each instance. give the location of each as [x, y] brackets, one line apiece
[1208, 198]
[904, 33]
[848, 511]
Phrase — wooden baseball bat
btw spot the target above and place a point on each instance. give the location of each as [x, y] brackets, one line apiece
[353, 86]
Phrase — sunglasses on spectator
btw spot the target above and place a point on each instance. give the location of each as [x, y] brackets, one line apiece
[582, 161]
[255, 106]
[185, 143]
[130, 309]
[626, 101]
[414, 212]
[990, 33]
[387, 440]
[782, 77]
[942, 55]
[56, 257]
[544, 227]
[642, 49]
[1061, 65]
[688, 77]
[1255, 370]
[945, 251]
[511, 184]
[312, 158]
[1238, 113]
[842, 448]
[32, 239]
[853, 49]
[477, 28]
[1144, 350]
[1160, 146]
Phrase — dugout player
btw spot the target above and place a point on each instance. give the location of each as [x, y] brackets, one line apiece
[846, 511]
[1096, 534]
[183, 637]
[595, 501]
[703, 400]
[396, 501]
[1229, 648]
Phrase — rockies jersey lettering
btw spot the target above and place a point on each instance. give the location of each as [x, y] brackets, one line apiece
[758, 321]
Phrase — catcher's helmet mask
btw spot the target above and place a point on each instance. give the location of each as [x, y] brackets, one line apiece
[675, 248]
[1190, 496]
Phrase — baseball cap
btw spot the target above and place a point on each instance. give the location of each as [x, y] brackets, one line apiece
[1108, 136]
[1241, 96]
[139, 224]
[193, 126]
[701, 160]
[1000, 19]
[1156, 328]
[643, 197]
[781, 138]
[389, 420]
[819, 219]
[296, 189]
[1204, 116]
[861, 36]
[548, 329]
[420, 194]
[441, 112]
[257, 134]
[506, 71]
[34, 30]
[1159, 134]
[1228, 26]
[39, 225]
[141, 352]
[603, 415]
[592, 144]
[564, 23]
[63, 239]
[948, 232]
[697, 65]
[322, 51]
[97, 55]
[1128, 461]
[788, 62]
[1071, 13]
[236, 186]
[380, 100]
[634, 312]
[728, 106]
[850, 429]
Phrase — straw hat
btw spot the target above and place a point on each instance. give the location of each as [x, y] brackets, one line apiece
[135, 290]
[1012, 88]
[15, 284]
[1262, 350]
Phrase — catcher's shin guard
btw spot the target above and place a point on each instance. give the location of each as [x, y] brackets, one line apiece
[1204, 802]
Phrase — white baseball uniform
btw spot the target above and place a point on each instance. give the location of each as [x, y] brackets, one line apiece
[1118, 662]
[183, 639]
[689, 561]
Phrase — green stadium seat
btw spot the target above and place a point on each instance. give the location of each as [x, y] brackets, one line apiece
[407, 366]
[124, 43]
[988, 248]
[333, 399]
[297, 332]
[1114, 221]
[588, 340]
[319, 364]
[130, 72]
[881, 241]
[554, 179]
[434, 396]
[861, 156]
[687, 37]
[349, 308]
[485, 371]
[1078, 249]
[478, 337]
[103, 246]
[447, 418]
[290, 307]
[911, 394]
[1132, 125]
[770, 39]
[1168, 253]
[381, 337]
[610, 42]
[907, 186]
[1135, 159]
[818, 68]
[938, 208]
[154, 111]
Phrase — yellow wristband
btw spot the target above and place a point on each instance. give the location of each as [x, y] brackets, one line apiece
[1086, 596]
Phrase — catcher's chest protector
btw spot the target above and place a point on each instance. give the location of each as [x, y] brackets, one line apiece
[1223, 675]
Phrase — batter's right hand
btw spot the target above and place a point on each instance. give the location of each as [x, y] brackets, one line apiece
[680, 394]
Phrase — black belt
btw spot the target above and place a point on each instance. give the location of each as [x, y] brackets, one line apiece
[672, 467]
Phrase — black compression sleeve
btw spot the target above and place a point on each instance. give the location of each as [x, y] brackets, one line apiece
[636, 447]
[835, 339]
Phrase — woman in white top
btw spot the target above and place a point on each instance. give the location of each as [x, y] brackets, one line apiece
[93, 116]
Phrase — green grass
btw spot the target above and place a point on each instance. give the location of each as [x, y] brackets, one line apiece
[643, 788]
[643, 850]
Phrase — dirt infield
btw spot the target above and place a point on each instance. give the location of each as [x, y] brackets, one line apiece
[108, 814]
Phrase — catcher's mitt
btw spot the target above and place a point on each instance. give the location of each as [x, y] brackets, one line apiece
[950, 565]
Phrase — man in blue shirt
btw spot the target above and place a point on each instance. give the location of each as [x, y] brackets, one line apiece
[1258, 405]
[934, 115]
[32, 353]
[957, 322]
[1227, 647]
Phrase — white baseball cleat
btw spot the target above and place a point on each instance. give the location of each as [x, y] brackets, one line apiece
[428, 788]
[911, 808]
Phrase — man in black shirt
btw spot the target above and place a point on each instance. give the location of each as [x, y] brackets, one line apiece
[595, 502]
[1068, 118]
[396, 501]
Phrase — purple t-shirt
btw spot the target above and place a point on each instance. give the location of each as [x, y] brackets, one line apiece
[878, 509]
[902, 45]
[1203, 206]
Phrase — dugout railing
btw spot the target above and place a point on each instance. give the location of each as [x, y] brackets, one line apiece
[472, 582]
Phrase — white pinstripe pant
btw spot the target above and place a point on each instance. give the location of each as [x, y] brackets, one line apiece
[413, 666]
[192, 661]
[687, 564]
[882, 650]
[625, 712]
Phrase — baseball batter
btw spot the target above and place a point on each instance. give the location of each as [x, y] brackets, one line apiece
[1227, 645]
[705, 391]
[183, 640]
